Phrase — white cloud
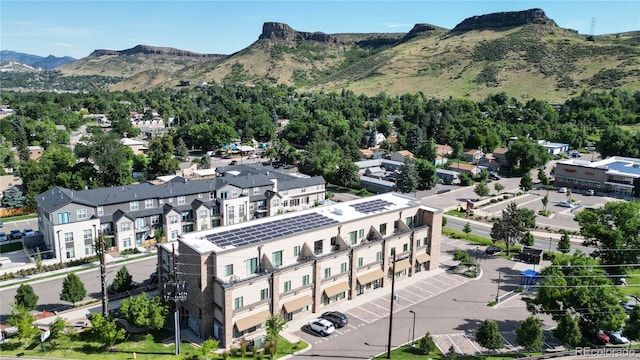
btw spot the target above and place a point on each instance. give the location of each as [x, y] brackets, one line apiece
[396, 25]
[63, 45]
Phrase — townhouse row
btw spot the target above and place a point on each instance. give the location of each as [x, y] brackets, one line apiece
[298, 263]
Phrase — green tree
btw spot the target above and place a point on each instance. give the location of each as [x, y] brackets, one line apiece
[467, 229]
[568, 194]
[564, 245]
[23, 320]
[181, 151]
[122, 281]
[57, 328]
[568, 330]
[615, 231]
[526, 183]
[527, 239]
[452, 352]
[407, 181]
[426, 344]
[427, 174]
[106, 330]
[13, 198]
[346, 174]
[632, 325]
[545, 203]
[481, 189]
[498, 187]
[205, 162]
[112, 159]
[511, 227]
[26, 297]
[274, 326]
[144, 312]
[525, 155]
[207, 346]
[161, 158]
[542, 176]
[577, 283]
[529, 334]
[73, 289]
[488, 335]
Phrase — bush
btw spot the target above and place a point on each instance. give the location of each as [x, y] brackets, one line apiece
[130, 251]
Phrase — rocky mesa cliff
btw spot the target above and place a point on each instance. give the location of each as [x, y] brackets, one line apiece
[504, 19]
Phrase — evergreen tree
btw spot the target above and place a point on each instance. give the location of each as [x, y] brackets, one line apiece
[488, 335]
[407, 180]
[564, 245]
[526, 183]
[122, 281]
[529, 334]
[481, 189]
[632, 325]
[13, 198]
[426, 344]
[26, 297]
[467, 229]
[527, 239]
[73, 289]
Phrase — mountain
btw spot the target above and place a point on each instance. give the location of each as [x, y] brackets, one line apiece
[34, 61]
[523, 53]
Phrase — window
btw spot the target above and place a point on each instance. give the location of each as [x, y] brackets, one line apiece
[276, 202]
[287, 286]
[69, 245]
[395, 227]
[212, 195]
[173, 219]
[133, 205]
[296, 250]
[327, 273]
[87, 235]
[276, 258]
[228, 270]
[405, 247]
[343, 267]
[141, 224]
[170, 200]
[252, 265]
[126, 226]
[245, 191]
[409, 222]
[352, 237]
[360, 233]
[256, 190]
[81, 214]
[230, 212]
[383, 229]
[241, 212]
[418, 243]
[264, 294]
[202, 214]
[238, 302]
[426, 241]
[234, 193]
[88, 250]
[63, 217]
[148, 204]
[161, 201]
[126, 243]
[199, 195]
[379, 256]
[305, 280]
[360, 262]
[174, 234]
[155, 219]
[100, 211]
[181, 200]
[317, 247]
[224, 194]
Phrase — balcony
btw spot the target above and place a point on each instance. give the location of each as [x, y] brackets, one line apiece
[142, 229]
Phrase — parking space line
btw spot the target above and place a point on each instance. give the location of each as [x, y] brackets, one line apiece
[507, 341]
[474, 345]
[458, 350]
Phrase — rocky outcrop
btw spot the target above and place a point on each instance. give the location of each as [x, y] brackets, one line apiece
[420, 29]
[146, 49]
[280, 31]
[504, 19]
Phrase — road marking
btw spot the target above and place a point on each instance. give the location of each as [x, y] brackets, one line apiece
[473, 344]
[455, 345]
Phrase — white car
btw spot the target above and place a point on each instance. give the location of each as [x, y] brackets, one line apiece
[565, 204]
[562, 190]
[616, 337]
[322, 326]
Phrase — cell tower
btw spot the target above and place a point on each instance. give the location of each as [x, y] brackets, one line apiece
[592, 31]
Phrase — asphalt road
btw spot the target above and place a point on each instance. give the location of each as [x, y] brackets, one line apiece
[48, 290]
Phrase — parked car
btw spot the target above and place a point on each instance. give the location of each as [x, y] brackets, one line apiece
[15, 235]
[565, 204]
[233, 162]
[492, 250]
[443, 191]
[337, 318]
[3, 237]
[590, 192]
[562, 190]
[1, 224]
[629, 305]
[596, 337]
[616, 337]
[494, 176]
[322, 326]
[29, 232]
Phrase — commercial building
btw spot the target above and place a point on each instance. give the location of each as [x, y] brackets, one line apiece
[298, 263]
[134, 215]
[616, 174]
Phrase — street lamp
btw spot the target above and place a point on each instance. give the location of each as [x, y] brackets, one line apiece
[413, 332]
[476, 261]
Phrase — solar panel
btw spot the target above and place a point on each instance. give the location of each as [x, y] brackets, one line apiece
[252, 234]
[372, 206]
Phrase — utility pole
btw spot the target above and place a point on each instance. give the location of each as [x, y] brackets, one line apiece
[175, 294]
[498, 291]
[103, 276]
[393, 295]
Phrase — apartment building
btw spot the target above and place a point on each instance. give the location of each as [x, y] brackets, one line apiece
[298, 263]
[615, 174]
[133, 215]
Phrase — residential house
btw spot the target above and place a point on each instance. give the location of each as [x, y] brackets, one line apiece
[401, 156]
[299, 263]
[466, 168]
[473, 155]
[442, 155]
[554, 148]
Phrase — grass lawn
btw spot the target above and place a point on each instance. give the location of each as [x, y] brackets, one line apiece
[633, 284]
[154, 346]
[408, 353]
[14, 246]
[19, 217]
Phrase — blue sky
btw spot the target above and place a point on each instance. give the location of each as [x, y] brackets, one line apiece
[76, 28]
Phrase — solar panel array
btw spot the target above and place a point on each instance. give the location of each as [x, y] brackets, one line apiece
[270, 230]
[372, 206]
